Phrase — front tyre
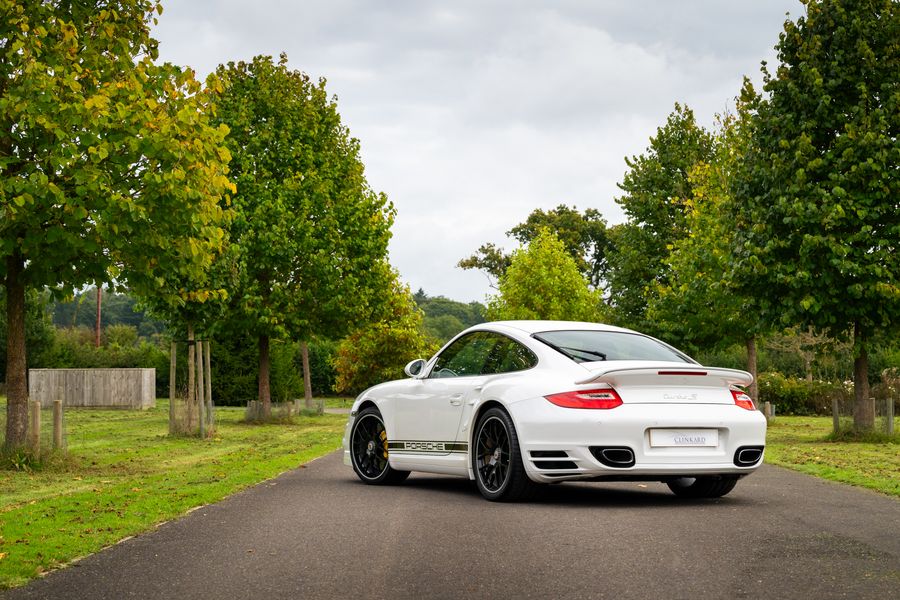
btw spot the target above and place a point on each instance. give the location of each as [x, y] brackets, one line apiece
[710, 486]
[369, 450]
[497, 460]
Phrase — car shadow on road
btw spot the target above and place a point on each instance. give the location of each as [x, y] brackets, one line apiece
[609, 494]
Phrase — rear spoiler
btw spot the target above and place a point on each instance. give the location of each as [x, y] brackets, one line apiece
[668, 375]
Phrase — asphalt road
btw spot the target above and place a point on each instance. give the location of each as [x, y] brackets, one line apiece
[317, 532]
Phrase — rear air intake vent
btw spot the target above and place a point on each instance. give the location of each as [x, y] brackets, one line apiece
[549, 454]
[619, 457]
[555, 464]
[747, 456]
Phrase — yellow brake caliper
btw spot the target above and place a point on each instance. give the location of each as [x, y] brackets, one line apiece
[384, 442]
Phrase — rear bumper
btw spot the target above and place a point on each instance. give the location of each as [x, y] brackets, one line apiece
[556, 442]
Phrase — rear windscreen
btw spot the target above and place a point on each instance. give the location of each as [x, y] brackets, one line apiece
[589, 346]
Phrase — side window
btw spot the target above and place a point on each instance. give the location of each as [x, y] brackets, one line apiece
[483, 353]
[464, 357]
[508, 356]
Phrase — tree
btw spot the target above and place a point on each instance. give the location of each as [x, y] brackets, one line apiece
[110, 169]
[443, 318]
[310, 234]
[698, 305]
[120, 307]
[377, 352]
[583, 235]
[38, 328]
[543, 282]
[655, 189]
[818, 225]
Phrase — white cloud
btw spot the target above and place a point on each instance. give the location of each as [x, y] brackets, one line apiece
[471, 114]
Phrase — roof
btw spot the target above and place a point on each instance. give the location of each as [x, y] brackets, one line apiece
[530, 327]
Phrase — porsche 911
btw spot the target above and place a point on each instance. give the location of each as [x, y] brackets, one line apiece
[516, 404]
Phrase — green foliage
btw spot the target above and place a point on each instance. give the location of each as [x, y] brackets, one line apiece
[321, 366]
[378, 352]
[444, 318]
[235, 373]
[488, 258]
[794, 396]
[110, 166]
[583, 235]
[309, 236]
[818, 225]
[696, 305]
[122, 336]
[118, 308]
[655, 189]
[544, 282]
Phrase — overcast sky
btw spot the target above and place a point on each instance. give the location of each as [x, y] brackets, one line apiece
[471, 114]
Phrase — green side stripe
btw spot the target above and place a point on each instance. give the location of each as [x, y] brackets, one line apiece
[428, 446]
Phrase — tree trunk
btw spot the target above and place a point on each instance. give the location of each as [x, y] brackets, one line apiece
[201, 402]
[265, 392]
[172, 369]
[97, 330]
[864, 407]
[751, 367]
[307, 381]
[210, 414]
[16, 382]
[191, 384]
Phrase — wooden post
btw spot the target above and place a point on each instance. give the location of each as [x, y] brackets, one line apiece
[35, 427]
[57, 424]
[836, 414]
[307, 377]
[889, 414]
[172, 370]
[201, 401]
[99, 300]
[210, 413]
[191, 384]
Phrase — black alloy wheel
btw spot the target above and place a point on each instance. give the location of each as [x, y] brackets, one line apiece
[497, 461]
[369, 450]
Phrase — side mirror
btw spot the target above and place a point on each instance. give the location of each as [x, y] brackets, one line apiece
[415, 368]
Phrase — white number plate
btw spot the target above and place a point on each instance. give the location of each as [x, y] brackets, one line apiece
[684, 437]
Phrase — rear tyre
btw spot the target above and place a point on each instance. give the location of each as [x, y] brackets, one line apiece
[711, 486]
[369, 450]
[497, 460]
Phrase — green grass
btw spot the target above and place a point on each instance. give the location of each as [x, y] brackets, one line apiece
[339, 402]
[804, 444]
[124, 475]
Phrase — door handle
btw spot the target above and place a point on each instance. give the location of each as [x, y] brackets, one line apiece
[456, 399]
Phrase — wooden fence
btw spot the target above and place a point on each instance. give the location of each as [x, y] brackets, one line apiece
[99, 388]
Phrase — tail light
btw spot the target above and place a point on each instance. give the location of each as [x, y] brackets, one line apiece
[742, 399]
[604, 398]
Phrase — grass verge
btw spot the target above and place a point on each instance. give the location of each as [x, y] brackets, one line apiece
[123, 475]
[805, 444]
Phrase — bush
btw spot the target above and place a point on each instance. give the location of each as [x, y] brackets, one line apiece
[794, 396]
[235, 367]
[321, 366]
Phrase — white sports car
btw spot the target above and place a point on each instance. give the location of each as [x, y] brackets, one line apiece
[512, 404]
